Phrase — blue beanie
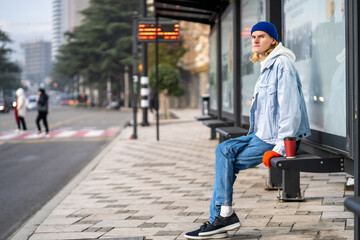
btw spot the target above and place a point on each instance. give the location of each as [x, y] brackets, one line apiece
[267, 27]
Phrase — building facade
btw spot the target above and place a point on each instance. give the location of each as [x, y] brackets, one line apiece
[57, 26]
[66, 16]
[194, 64]
[37, 64]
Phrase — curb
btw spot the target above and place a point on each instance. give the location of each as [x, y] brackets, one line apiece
[28, 228]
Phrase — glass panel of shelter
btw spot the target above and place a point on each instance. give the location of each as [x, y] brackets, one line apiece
[315, 32]
[227, 59]
[252, 11]
[213, 69]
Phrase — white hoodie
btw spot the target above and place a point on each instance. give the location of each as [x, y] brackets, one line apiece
[21, 102]
[279, 50]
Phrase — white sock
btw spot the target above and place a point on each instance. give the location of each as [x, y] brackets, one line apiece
[226, 211]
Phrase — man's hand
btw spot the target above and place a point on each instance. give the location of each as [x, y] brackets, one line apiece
[269, 155]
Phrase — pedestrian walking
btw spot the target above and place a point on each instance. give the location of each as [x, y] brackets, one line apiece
[278, 110]
[42, 107]
[20, 110]
[153, 102]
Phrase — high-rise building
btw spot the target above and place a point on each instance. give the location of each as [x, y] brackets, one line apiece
[37, 65]
[73, 14]
[66, 16]
[58, 26]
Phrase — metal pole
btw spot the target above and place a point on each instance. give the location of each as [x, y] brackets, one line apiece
[157, 76]
[135, 72]
[108, 91]
[144, 86]
[354, 6]
[237, 62]
[218, 68]
[126, 87]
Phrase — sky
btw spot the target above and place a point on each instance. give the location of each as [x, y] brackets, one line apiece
[25, 21]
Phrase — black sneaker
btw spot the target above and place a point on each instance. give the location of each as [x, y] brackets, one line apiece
[195, 234]
[220, 224]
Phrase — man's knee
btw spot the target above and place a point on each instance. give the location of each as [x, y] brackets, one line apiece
[220, 149]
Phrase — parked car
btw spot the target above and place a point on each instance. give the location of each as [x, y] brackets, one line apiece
[115, 104]
[82, 100]
[65, 99]
[11, 101]
[4, 105]
[31, 103]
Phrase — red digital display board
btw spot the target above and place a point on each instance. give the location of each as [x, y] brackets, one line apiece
[165, 32]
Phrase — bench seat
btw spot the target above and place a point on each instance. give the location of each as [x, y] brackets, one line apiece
[309, 163]
[216, 123]
[230, 132]
[203, 117]
[304, 162]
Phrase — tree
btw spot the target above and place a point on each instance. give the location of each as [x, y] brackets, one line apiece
[169, 80]
[169, 85]
[9, 71]
[99, 49]
[169, 53]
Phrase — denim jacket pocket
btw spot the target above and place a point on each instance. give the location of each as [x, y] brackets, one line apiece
[271, 91]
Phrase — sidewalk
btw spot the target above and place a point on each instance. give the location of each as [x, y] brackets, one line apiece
[144, 189]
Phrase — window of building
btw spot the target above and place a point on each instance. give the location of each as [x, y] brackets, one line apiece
[252, 11]
[315, 32]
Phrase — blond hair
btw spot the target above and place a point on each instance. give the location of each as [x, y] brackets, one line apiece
[255, 56]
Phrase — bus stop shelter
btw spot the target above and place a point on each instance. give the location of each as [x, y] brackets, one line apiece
[324, 36]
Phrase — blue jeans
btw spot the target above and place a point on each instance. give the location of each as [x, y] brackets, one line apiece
[232, 156]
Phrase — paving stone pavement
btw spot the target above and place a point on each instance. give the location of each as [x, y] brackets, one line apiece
[144, 189]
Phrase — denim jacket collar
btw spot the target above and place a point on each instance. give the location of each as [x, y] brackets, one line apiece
[269, 64]
[279, 50]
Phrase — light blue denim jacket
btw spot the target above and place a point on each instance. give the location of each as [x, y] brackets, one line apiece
[278, 107]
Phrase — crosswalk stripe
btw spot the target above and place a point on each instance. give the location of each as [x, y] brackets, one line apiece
[109, 132]
[80, 133]
[33, 136]
[83, 133]
[65, 134]
[21, 135]
[8, 136]
[94, 133]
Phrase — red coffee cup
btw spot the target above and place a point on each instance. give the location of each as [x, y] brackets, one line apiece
[290, 147]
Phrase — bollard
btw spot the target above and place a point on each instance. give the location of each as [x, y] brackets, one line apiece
[144, 92]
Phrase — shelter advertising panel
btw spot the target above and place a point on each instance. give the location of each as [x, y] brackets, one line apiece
[315, 32]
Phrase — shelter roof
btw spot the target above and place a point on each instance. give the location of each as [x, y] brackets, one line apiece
[201, 11]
